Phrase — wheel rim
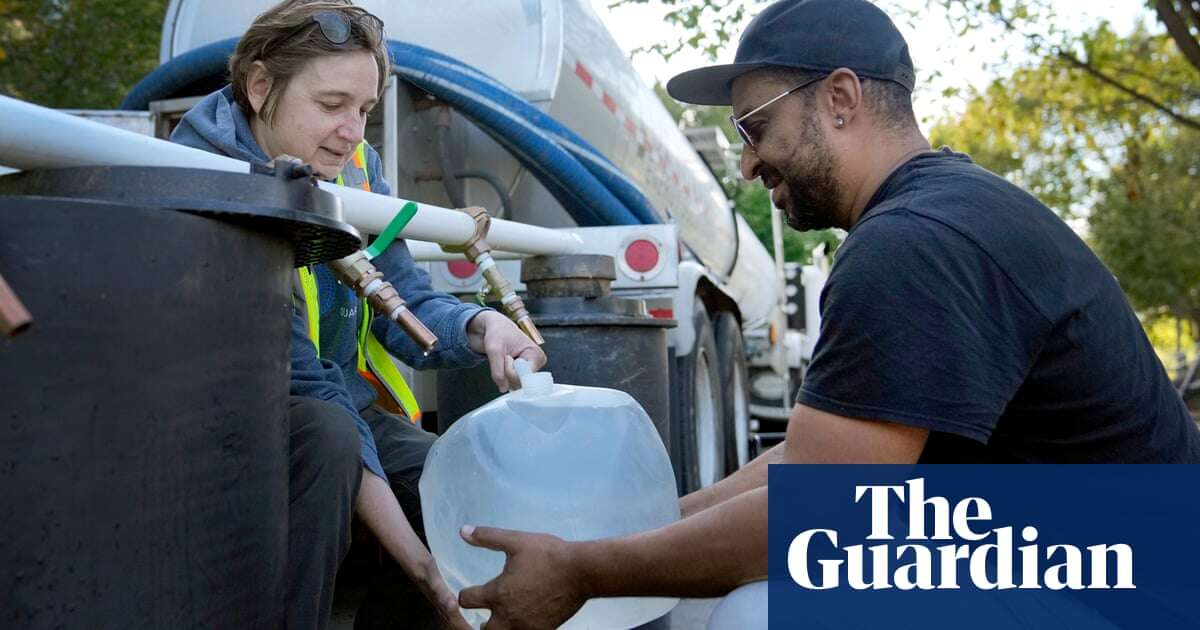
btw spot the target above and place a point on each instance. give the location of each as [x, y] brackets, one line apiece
[706, 422]
[741, 416]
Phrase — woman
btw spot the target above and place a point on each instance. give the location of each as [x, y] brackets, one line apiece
[304, 78]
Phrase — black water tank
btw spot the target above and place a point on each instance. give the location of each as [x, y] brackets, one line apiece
[592, 339]
[143, 442]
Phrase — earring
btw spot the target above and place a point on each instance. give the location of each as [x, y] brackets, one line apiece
[839, 122]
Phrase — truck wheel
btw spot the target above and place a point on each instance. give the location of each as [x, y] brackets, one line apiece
[700, 432]
[734, 378]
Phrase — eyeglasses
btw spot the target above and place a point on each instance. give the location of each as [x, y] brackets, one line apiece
[737, 121]
[336, 27]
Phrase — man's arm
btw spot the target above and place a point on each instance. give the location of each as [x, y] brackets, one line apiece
[752, 475]
[820, 437]
[833, 440]
[546, 580]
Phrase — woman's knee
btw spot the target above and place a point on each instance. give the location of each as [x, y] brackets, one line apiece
[324, 438]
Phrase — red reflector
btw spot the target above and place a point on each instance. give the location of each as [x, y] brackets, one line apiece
[662, 313]
[641, 255]
[461, 269]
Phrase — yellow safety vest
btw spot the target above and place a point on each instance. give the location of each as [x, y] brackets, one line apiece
[374, 363]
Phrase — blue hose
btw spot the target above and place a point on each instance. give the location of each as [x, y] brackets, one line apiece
[587, 200]
[171, 78]
[590, 188]
[596, 163]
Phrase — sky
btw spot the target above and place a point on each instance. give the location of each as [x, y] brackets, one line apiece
[943, 60]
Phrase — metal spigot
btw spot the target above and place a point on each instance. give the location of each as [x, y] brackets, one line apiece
[357, 272]
[478, 251]
[14, 318]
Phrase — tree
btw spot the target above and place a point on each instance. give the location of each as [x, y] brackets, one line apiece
[1146, 226]
[712, 24]
[77, 53]
[1101, 127]
[1092, 150]
[1061, 132]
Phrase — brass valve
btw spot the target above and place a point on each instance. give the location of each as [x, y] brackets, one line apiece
[357, 272]
[479, 252]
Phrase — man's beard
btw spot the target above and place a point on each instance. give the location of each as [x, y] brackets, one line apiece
[812, 190]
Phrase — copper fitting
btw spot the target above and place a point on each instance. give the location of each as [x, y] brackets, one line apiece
[479, 252]
[509, 300]
[476, 245]
[14, 318]
[357, 272]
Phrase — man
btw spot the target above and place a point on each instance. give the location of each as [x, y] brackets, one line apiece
[962, 321]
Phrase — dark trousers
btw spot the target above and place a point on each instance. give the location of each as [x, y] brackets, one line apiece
[326, 469]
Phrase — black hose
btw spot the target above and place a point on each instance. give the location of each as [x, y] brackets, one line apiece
[452, 185]
[490, 179]
[505, 201]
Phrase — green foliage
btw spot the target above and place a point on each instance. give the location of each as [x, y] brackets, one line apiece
[77, 53]
[1147, 224]
[1059, 131]
[710, 24]
[1090, 149]
[1100, 126]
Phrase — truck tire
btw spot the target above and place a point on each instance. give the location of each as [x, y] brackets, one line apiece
[699, 431]
[734, 378]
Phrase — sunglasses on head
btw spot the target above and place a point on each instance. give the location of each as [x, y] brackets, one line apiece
[337, 27]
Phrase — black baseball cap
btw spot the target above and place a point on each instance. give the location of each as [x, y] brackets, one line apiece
[815, 35]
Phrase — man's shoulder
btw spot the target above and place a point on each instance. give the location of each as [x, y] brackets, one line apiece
[898, 231]
[952, 189]
[957, 207]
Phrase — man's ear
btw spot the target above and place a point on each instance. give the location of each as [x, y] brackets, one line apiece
[844, 98]
[258, 86]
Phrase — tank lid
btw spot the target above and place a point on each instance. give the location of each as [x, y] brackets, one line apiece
[294, 208]
[568, 275]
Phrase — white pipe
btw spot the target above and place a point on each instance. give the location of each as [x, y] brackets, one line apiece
[36, 137]
[424, 251]
[777, 247]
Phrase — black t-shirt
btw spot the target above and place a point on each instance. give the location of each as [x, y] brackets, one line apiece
[960, 304]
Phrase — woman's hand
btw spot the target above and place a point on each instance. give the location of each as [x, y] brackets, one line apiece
[496, 336]
[424, 573]
[378, 508]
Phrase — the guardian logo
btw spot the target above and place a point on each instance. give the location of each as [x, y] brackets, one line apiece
[993, 564]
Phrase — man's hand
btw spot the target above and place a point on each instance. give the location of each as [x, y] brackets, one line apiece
[540, 587]
[496, 336]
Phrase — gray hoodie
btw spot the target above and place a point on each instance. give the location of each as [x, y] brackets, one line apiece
[217, 124]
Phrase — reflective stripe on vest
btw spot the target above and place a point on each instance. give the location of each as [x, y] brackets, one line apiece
[308, 283]
[373, 361]
[379, 362]
[355, 174]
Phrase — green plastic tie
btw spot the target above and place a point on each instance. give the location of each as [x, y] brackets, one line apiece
[389, 234]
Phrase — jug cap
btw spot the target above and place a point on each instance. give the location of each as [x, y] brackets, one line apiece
[533, 383]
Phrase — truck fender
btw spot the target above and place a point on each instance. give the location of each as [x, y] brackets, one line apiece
[694, 280]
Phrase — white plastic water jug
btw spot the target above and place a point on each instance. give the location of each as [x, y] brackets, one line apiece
[580, 463]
